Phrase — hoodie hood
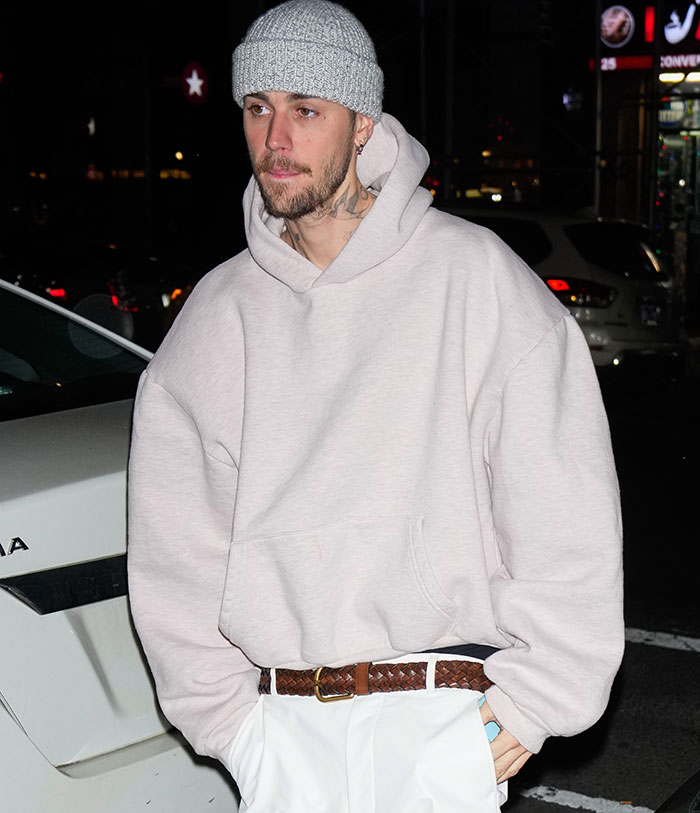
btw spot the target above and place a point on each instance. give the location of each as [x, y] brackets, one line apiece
[392, 166]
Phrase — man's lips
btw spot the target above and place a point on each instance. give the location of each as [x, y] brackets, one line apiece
[282, 169]
[281, 174]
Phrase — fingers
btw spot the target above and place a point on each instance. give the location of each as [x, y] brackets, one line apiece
[508, 754]
[503, 744]
[509, 763]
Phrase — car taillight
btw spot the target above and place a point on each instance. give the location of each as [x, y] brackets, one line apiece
[119, 299]
[582, 292]
[56, 293]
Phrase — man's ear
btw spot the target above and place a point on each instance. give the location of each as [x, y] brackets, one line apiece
[364, 127]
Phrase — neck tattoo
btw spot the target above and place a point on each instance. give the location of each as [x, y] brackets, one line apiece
[351, 205]
[292, 237]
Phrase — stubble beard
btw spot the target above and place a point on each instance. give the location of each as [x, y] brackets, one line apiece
[316, 198]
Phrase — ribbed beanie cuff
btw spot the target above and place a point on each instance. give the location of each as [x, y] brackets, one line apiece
[311, 47]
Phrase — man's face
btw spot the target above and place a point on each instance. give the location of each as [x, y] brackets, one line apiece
[301, 149]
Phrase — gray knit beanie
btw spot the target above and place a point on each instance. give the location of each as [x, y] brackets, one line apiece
[311, 47]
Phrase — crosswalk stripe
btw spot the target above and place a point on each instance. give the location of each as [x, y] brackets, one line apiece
[567, 798]
[664, 639]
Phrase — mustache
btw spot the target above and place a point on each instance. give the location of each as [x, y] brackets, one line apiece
[272, 162]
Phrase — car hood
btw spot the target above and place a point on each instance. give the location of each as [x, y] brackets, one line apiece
[71, 671]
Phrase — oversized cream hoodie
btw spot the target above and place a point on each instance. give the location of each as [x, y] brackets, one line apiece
[407, 450]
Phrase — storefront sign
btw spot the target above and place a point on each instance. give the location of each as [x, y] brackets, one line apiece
[632, 33]
[617, 26]
[672, 113]
[680, 61]
[679, 114]
[682, 28]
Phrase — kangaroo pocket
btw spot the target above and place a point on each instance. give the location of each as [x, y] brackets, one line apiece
[357, 586]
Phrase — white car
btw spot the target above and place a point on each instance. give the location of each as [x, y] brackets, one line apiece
[80, 729]
[608, 276]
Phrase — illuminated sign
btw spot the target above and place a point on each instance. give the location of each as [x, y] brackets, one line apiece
[672, 112]
[635, 26]
[625, 63]
[680, 61]
[194, 83]
[617, 26]
[679, 114]
[632, 33]
[678, 29]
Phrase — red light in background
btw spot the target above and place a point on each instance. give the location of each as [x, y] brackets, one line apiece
[623, 63]
[558, 284]
[56, 293]
[649, 24]
[635, 63]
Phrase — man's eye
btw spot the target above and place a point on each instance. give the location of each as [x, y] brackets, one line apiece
[257, 109]
[306, 112]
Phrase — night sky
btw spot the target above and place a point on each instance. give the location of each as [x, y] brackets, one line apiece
[84, 88]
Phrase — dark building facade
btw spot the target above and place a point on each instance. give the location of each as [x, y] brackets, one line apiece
[649, 119]
[103, 135]
[123, 130]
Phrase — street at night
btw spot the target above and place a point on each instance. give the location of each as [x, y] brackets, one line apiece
[648, 741]
[569, 130]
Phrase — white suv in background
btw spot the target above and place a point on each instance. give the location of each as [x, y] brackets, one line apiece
[606, 273]
[80, 729]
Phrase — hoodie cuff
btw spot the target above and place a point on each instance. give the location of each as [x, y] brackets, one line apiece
[508, 715]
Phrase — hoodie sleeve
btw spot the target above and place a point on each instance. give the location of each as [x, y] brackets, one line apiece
[180, 513]
[558, 592]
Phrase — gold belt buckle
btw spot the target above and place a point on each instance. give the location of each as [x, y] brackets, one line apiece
[326, 698]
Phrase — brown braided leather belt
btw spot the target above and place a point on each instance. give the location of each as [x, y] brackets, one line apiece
[329, 683]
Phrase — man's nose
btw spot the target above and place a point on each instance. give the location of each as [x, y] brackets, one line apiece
[278, 134]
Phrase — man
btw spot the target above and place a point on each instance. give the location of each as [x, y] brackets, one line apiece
[370, 453]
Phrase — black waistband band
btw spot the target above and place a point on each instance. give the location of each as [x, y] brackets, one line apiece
[481, 651]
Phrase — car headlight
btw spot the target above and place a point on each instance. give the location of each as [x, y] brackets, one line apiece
[582, 292]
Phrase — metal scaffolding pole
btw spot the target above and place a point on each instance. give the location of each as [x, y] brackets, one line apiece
[598, 113]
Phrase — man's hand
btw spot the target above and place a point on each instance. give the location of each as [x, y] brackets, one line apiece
[509, 756]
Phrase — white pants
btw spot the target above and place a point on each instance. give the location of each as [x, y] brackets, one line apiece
[396, 752]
